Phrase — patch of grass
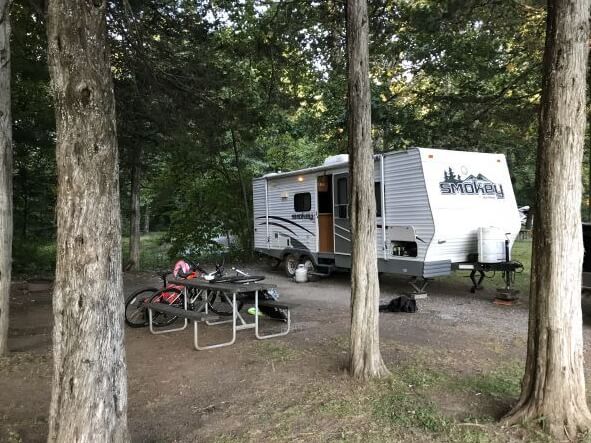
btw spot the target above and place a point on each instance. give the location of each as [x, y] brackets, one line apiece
[400, 400]
[418, 375]
[275, 352]
[407, 399]
[338, 408]
[403, 408]
[501, 383]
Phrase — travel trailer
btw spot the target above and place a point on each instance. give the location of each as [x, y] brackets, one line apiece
[431, 205]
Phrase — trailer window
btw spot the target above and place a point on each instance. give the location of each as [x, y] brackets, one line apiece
[378, 193]
[302, 202]
[342, 191]
[342, 198]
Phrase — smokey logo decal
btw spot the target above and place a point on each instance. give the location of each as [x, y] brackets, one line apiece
[454, 184]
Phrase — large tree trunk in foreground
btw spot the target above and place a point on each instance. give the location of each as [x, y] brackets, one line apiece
[135, 218]
[553, 388]
[5, 174]
[89, 389]
[365, 360]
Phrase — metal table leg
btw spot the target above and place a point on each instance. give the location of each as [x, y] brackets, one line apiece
[218, 345]
[256, 321]
[165, 331]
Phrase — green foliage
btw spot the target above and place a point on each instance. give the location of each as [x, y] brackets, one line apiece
[33, 131]
[153, 252]
[33, 257]
[212, 94]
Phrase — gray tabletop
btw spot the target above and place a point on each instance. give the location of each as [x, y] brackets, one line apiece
[224, 287]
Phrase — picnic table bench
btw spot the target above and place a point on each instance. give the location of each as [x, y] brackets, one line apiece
[231, 292]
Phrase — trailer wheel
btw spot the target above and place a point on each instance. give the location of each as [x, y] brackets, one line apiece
[290, 264]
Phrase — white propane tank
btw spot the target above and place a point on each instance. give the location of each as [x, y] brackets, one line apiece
[491, 245]
[301, 274]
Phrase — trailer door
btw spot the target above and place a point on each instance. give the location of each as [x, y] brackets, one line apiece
[342, 223]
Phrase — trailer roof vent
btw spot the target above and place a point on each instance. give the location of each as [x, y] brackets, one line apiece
[335, 159]
[270, 174]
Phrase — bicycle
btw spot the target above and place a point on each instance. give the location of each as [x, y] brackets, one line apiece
[172, 294]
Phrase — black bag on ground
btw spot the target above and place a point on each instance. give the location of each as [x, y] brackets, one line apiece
[400, 304]
[270, 311]
[273, 312]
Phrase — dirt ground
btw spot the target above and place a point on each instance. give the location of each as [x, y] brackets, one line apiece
[456, 365]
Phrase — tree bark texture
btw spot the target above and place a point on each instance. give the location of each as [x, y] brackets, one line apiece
[135, 218]
[553, 387]
[89, 389]
[6, 223]
[365, 359]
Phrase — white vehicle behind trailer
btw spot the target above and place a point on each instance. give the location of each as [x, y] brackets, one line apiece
[430, 205]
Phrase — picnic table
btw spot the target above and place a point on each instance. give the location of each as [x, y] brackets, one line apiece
[231, 293]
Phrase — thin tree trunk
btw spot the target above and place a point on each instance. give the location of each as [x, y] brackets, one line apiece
[553, 387]
[365, 359]
[89, 388]
[529, 221]
[5, 174]
[147, 219]
[25, 204]
[242, 188]
[134, 222]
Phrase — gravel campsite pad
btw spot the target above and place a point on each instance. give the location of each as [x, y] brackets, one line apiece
[456, 365]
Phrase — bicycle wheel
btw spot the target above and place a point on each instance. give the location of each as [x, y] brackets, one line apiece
[136, 314]
[170, 296]
[245, 279]
[217, 303]
[238, 279]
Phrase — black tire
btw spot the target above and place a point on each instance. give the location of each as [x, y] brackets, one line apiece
[290, 264]
[136, 314]
[160, 319]
[218, 304]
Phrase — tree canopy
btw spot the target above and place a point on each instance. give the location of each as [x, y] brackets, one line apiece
[210, 94]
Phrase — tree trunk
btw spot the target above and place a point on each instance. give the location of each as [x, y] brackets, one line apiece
[89, 388]
[247, 218]
[365, 359]
[553, 387]
[25, 203]
[147, 219]
[134, 222]
[529, 221]
[5, 174]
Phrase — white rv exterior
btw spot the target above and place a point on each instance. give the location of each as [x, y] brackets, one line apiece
[430, 202]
